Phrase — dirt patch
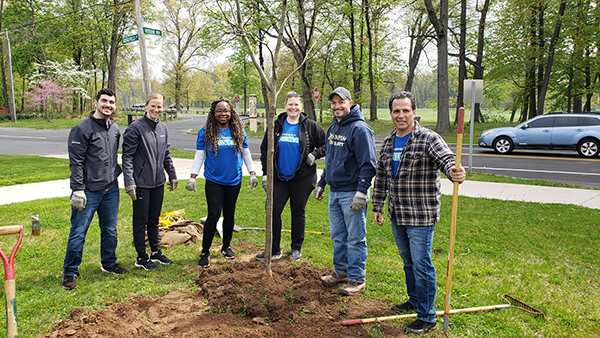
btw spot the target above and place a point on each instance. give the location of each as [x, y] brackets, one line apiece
[237, 300]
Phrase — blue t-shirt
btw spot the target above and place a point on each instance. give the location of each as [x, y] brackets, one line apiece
[225, 167]
[288, 150]
[399, 143]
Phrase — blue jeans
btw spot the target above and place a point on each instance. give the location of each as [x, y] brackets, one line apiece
[107, 205]
[349, 234]
[414, 245]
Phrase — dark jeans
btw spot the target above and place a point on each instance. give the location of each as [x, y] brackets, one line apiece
[297, 191]
[146, 212]
[106, 204]
[219, 198]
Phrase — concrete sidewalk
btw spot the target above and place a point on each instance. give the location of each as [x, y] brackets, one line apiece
[502, 191]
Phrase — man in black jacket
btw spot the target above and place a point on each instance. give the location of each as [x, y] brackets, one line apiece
[93, 145]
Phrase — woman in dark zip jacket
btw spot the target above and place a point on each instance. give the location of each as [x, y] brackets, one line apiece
[146, 156]
[299, 141]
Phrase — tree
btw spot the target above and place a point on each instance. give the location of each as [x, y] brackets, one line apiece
[49, 96]
[187, 38]
[441, 29]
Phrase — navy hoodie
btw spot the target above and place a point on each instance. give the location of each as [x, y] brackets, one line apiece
[350, 153]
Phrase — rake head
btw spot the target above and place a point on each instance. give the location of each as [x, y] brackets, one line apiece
[520, 305]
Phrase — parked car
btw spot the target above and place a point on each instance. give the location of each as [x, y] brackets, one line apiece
[138, 105]
[174, 105]
[580, 132]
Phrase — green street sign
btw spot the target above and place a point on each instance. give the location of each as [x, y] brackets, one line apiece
[152, 31]
[130, 38]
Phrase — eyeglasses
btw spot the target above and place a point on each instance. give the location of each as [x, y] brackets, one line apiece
[292, 95]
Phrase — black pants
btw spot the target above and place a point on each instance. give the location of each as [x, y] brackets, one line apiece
[219, 198]
[146, 212]
[297, 191]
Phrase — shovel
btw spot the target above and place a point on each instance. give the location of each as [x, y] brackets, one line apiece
[9, 279]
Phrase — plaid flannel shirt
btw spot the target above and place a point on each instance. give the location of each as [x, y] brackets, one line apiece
[414, 195]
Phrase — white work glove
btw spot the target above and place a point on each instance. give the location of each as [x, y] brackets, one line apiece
[191, 185]
[359, 201]
[173, 185]
[130, 190]
[264, 183]
[318, 193]
[310, 160]
[253, 180]
[78, 200]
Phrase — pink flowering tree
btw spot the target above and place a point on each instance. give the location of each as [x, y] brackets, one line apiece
[49, 97]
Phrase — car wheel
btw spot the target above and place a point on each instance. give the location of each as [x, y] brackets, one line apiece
[503, 145]
[588, 148]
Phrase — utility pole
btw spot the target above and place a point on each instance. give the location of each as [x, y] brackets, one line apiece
[142, 42]
[11, 88]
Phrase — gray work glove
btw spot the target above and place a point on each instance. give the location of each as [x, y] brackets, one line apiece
[359, 201]
[173, 185]
[78, 200]
[191, 185]
[130, 190]
[253, 180]
[310, 160]
[318, 193]
[264, 183]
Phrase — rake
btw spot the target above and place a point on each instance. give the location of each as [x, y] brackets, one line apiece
[511, 302]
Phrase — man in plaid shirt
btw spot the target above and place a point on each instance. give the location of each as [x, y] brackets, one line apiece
[408, 173]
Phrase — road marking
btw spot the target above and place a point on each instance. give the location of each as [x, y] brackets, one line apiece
[24, 137]
[537, 171]
[536, 157]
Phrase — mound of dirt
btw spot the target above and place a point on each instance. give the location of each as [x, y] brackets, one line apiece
[237, 300]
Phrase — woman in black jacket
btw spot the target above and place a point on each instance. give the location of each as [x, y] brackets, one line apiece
[146, 156]
[299, 141]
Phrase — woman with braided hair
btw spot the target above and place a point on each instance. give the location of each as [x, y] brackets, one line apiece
[222, 146]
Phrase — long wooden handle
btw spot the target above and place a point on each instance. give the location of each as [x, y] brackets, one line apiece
[11, 308]
[414, 315]
[459, 137]
[10, 230]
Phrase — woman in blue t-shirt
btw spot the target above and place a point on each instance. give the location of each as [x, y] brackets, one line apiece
[299, 141]
[221, 147]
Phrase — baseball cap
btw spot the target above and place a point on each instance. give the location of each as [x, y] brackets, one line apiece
[342, 92]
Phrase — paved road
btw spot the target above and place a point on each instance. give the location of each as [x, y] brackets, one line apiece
[557, 166]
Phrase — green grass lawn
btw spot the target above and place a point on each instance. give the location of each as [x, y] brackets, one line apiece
[545, 255]
[19, 169]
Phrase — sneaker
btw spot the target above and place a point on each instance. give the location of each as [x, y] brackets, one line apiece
[228, 253]
[294, 255]
[69, 282]
[145, 263]
[404, 307]
[159, 257]
[274, 256]
[419, 326]
[332, 280]
[351, 288]
[115, 269]
[204, 260]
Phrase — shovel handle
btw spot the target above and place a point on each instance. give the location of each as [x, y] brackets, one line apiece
[10, 230]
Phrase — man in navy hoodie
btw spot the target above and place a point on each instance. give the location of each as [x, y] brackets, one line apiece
[349, 169]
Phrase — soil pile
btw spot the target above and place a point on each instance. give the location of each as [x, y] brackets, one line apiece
[237, 300]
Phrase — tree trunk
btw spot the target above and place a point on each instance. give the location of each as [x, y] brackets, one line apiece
[373, 102]
[478, 66]
[551, 49]
[462, 66]
[441, 29]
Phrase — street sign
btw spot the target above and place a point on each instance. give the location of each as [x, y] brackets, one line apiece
[316, 94]
[152, 31]
[130, 38]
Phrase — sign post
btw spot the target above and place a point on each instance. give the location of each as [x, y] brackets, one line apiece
[474, 90]
[316, 96]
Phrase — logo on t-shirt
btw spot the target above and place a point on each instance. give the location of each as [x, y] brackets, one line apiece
[226, 141]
